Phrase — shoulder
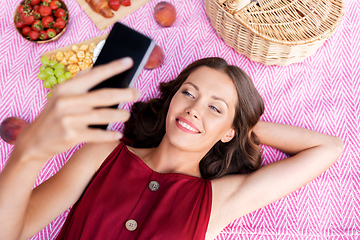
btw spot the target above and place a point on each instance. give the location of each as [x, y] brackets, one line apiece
[95, 153]
[225, 188]
[224, 209]
[142, 153]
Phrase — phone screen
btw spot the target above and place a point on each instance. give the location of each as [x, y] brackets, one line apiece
[123, 42]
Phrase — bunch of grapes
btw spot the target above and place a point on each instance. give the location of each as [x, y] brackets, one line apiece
[52, 72]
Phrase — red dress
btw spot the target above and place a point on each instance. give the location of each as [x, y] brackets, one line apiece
[128, 200]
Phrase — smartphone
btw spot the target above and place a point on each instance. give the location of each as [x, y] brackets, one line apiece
[123, 42]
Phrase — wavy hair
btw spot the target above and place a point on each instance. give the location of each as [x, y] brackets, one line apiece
[146, 126]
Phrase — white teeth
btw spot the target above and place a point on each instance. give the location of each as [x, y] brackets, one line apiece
[187, 126]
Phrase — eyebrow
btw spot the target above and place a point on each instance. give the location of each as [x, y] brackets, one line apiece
[214, 97]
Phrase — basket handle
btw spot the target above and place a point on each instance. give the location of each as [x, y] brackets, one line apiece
[233, 6]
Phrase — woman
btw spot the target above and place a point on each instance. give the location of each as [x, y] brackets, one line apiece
[207, 128]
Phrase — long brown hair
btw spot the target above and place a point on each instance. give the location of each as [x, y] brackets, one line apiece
[146, 126]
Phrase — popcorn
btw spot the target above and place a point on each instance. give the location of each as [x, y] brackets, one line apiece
[59, 56]
[76, 59]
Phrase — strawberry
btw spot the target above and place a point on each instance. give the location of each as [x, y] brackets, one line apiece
[34, 2]
[26, 18]
[19, 24]
[126, 3]
[34, 35]
[47, 21]
[37, 26]
[114, 4]
[27, 7]
[43, 35]
[54, 5]
[57, 29]
[59, 23]
[51, 33]
[21, 9]
[45, 11]
[25, 31]
[36, 14]
[36, 8]
[60, 13]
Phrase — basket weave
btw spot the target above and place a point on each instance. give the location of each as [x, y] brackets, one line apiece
[275, 32]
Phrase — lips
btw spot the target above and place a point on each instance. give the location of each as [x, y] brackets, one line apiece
[186, 126]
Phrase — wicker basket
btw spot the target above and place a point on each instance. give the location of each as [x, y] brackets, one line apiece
[275, 32]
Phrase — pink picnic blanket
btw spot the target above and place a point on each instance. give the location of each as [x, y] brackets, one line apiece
[321, 93]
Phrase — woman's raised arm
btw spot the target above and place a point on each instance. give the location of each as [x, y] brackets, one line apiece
[62, 124]
[311, 154]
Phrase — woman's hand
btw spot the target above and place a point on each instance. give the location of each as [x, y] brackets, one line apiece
[312, 153]
[65, 119]
[63, 123]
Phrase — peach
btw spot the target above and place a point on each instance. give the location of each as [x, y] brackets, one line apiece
[165, 14]
[10, 128]
[156, 58]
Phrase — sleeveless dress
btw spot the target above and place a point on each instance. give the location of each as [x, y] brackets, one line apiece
[126, 199]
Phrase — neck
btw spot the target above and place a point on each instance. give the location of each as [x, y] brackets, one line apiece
[167, 158]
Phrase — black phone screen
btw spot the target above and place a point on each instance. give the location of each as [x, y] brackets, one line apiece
[123, 42]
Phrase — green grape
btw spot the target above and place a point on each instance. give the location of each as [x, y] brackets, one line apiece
[59, 65]
[42, 68]
[47, 84]
[42, 75]
[68, 75]
[52, 80]
[49, 71]
[52, 63]
[45, 60]
[58, 72]
[49, 95]
[61, 78]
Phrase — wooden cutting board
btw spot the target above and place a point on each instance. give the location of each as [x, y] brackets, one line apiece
[67, 48]
[102, 22]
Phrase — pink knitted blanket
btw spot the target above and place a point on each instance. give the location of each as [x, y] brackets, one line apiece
[321, 93]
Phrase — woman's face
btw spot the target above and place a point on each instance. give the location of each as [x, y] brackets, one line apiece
[202, 111]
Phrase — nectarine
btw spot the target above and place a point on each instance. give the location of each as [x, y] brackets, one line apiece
[10, 128]
[165, 14]
[156, 58]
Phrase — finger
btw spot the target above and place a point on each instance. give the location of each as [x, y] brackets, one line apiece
[96, 116]
[83, 72]
[107, 97]
[99, 135]
[105, 116]
[85, 82]
[97, 98]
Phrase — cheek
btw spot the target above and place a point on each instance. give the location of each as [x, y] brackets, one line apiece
[220, 126]
[175, 105]
[173, 108]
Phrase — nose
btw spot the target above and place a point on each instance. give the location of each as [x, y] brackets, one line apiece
[192, 112]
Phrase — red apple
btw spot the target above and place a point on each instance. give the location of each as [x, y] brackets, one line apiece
[156, 58]
[165, 14]
[10, 128]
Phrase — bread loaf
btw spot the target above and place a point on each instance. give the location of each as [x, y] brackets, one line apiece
[102, 7]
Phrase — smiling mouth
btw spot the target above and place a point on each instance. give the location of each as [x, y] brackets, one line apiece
[183, 124]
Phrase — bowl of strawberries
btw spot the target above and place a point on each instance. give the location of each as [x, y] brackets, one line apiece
[41, 21]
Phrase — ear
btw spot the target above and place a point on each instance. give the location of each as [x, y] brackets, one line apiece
[229, 135]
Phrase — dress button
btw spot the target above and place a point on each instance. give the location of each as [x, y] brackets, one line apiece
[154, 186]
[131, 225]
